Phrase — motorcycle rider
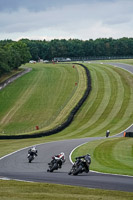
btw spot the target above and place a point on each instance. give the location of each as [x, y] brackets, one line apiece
[107, 133]
[85, 157]
[60, 159]
[32, 151]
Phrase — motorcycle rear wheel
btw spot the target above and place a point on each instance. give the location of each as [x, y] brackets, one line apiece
[77, 171]
[55, 166]
[30, 159]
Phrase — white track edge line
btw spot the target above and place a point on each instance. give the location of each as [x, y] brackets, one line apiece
[93, 170]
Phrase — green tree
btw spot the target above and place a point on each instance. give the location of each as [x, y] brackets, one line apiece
[4, 68]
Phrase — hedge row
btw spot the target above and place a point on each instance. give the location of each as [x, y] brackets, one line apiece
[68, 120]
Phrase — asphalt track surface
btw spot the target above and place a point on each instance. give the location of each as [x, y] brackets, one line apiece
[16, 166]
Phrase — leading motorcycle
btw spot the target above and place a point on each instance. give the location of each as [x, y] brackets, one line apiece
[81, 164]
[32, 153]
[31, 158]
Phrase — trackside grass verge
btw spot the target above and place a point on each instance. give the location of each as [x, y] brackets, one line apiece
[44, 98]
[13, 190]
[126, 61]
[10, 74]
[109, 105]
[111, 155]
[9, 146]
[47, 103]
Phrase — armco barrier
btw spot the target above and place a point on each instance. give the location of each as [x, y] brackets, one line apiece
[68, 120]
[128, 134]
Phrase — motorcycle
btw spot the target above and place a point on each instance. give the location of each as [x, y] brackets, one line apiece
[82, 164]
[31, 155]
[55, 163]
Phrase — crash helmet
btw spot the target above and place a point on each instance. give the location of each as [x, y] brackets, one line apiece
[62, 155]
[33, 148]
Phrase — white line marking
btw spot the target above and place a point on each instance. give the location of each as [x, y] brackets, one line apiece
[70, 155]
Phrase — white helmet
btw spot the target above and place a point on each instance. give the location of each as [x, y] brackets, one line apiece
[33, 148]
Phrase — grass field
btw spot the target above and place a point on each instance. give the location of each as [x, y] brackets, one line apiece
[44, 97]
[49, 93]
[111, 155]
[13, 190]
[109, 106]
[126, 61]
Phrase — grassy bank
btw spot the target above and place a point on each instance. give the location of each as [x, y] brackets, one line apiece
[49, 93]
[126, 61]
[13, 190]
[109, 106]
[44, 97]
[10, 74]
[111, 155]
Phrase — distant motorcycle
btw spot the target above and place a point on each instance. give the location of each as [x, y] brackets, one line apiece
[32, 153]
[81, 164]
[56, 162]
[31, 158]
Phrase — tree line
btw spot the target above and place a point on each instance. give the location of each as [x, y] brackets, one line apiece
[47, 50]
[13, 54]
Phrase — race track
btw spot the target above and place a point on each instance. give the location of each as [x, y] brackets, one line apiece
[16, 166]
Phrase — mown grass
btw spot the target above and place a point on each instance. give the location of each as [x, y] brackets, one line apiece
[13, 190]
[111, 155]
[9, 146]
[109, 106]
[47, 103]
[44, 97]
[126, 61]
